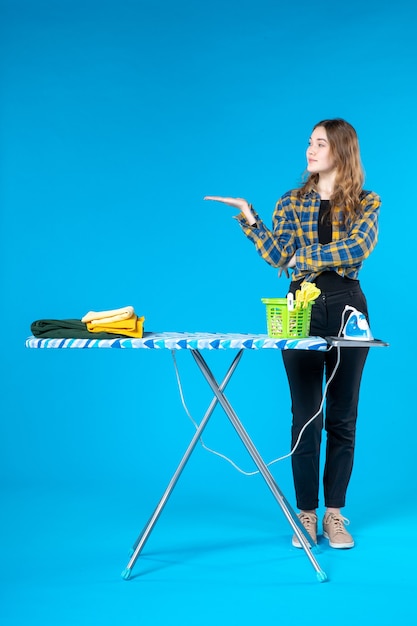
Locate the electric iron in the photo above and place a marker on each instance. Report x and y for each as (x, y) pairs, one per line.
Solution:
(356, 326)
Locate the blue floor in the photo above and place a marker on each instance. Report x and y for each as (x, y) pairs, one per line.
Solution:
(83, 473)
(206, 562)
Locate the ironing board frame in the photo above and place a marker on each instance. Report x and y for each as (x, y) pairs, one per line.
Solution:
(193, 342)
(219, 398)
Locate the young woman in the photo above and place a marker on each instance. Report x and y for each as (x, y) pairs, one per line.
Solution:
(323, 231)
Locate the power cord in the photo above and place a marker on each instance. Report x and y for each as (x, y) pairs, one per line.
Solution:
(281, 458)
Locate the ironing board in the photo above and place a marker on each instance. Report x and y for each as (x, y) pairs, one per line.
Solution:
(195, 343)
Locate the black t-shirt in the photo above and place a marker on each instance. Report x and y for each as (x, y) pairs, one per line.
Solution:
(325, 223)
(328, 280)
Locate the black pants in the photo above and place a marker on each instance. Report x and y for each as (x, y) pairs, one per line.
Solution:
(306, 371)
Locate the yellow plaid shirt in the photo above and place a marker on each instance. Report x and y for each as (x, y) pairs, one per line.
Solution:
(295, 231)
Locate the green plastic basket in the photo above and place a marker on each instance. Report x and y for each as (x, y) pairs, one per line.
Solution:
(282, 323)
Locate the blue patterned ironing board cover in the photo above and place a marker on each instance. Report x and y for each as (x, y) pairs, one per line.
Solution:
(186, 341)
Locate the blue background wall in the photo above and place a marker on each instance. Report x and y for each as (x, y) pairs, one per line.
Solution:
(116, 118)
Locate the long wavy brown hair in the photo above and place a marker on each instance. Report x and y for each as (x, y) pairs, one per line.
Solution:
(344, 147)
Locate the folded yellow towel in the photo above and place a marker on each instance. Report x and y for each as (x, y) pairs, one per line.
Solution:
(110, 320)
(132, 327)
(113, 314)
(129, 324)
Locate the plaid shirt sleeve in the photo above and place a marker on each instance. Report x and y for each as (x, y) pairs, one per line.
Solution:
(295, 231)
(349, 248)
(275, 246)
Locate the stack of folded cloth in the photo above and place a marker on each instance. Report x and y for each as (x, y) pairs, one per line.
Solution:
(98, 325)
(122, 321)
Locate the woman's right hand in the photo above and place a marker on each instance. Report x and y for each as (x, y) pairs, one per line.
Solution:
(284, 268)
(238, 203)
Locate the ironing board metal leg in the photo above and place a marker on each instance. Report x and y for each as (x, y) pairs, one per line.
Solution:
(289, 513)
(144, 535)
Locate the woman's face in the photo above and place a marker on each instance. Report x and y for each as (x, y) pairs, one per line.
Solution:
(319, 157)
